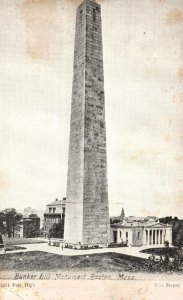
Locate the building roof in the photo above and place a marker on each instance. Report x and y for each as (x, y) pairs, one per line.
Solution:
(149, 224)
(57, 202)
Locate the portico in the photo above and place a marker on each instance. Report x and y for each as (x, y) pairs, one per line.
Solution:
(158, 234)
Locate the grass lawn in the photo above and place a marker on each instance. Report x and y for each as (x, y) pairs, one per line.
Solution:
(12, 247)
(105, 262)
(21, 241)
(162, 251)
(37, 261)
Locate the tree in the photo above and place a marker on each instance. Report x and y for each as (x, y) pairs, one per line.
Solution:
(33, 216)
(12, 220)
(31, 226)
(166, 220)
(57, 230)
(178, 237)
(177, 230)
(31, 231)
(2, 223)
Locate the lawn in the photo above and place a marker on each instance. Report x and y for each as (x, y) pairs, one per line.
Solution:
(12, 247)
(38, 261)
(21, 241)
(172, 251)
(105, 262)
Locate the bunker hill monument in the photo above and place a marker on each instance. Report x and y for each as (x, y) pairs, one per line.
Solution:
(87, 209)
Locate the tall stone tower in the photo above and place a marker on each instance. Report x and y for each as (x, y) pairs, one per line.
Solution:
(87, 210)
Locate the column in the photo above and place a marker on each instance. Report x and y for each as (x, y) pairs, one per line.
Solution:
(150, 236)
(158, 236)
(164, 235)
(155, 237)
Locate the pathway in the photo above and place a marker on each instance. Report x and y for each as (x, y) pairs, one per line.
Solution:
(133, 251)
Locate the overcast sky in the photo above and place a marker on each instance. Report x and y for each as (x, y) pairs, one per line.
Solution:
(143, 67)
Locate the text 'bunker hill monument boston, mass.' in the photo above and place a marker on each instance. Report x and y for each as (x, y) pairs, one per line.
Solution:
(87, 208)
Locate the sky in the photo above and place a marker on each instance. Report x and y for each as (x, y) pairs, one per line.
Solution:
(143, 69)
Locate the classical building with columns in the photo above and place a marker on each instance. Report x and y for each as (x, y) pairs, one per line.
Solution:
(141, 233)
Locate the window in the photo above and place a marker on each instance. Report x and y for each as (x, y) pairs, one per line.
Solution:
(80, 16)
(138, 234)
(126, 234)
(94, 15)
(54, 209)
(63, 210)
(49, 210)
(120, 234)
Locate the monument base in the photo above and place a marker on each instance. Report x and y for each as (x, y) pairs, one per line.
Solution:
(83, 246)
(2, 251)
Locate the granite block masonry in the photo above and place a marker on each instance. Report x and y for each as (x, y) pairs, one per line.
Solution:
(87, 209)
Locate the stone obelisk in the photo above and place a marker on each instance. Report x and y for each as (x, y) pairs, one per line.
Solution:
(87, 209)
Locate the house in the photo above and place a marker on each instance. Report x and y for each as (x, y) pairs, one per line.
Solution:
(55, 212)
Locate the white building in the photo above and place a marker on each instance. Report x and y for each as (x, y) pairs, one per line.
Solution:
(142, 233)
